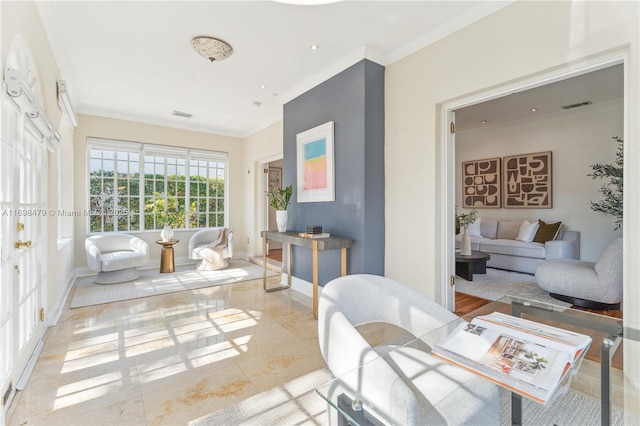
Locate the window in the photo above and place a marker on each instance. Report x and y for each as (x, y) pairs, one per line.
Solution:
(122, 198)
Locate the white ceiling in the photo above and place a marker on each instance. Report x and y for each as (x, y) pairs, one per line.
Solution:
(134, 60)
(597, 87)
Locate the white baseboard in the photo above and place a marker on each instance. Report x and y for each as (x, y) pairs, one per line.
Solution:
(58, 307)
(300, 285)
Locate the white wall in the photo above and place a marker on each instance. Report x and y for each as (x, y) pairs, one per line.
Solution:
(577, 139)
(517, 42)
(92, 126)
(262, 147)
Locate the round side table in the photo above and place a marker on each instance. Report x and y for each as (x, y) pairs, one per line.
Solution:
(166, 256)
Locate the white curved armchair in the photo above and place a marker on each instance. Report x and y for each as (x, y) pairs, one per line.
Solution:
(116, 257)
(208, 245)
(589, 285)
(418, 389)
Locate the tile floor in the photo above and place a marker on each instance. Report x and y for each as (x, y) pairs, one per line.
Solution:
(168, 359)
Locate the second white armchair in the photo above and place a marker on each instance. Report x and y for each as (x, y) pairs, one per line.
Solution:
(214, 246)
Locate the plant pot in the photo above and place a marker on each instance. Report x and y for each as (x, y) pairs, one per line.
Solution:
(465, 244)
(281, 220)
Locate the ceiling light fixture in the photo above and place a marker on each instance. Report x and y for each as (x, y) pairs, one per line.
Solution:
(314, 47)
(483, 122)
(212, 48)
(263, 86)
(534, 109)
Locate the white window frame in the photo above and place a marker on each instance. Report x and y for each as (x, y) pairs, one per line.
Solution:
(145, 149)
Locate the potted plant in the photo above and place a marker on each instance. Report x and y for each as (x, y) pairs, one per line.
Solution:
(462, 222)
(279, 199)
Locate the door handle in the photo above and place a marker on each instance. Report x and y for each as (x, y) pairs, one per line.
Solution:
(21, 244)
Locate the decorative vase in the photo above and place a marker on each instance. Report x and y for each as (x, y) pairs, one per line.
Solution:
(465, 244)
(281, 220)
(167, 233)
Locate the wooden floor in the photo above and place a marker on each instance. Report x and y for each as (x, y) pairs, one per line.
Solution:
(466, 303)
(275, 254)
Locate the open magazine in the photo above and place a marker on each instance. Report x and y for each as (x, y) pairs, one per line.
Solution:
(525, 356)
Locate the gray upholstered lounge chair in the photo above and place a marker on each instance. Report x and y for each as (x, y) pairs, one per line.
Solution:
(418, 389)
(591, 285)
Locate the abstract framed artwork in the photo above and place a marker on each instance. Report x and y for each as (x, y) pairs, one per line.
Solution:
(275, 177)
(527, 181)
(481, 183)
(315, 164)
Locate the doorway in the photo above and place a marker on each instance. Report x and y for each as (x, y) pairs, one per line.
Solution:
(273, 177)
(447, 160)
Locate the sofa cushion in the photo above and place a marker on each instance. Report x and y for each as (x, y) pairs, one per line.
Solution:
(474, 228)
(547, 231)
(489, 228)
(527, 231)
(508, 229)
(513, 248)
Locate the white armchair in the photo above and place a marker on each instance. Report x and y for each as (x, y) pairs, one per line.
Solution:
(208, 244)
(589, 285)
(116, 257)
(417, 389)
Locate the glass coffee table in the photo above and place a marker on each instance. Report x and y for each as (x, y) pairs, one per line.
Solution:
(601, 375)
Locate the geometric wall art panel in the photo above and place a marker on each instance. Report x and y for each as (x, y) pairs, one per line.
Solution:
(481, 183)
(527, 181)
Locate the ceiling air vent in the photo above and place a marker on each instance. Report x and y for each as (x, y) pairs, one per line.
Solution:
(578, 105)
(182, 114)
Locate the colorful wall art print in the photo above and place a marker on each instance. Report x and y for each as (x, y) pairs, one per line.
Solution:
(527, 181)
(315, 164)
(481, 183)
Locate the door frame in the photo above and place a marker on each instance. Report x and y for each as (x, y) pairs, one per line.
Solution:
(261, 200)
(445, 174)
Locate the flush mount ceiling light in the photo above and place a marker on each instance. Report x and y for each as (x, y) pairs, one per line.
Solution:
(212, 48)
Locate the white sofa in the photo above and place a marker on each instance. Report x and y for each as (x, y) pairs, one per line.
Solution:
(412, 388)
(498, 238)
(116, 257)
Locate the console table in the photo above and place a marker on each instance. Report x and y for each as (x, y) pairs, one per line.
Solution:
(315, 244)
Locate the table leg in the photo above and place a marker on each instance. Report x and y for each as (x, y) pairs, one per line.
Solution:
(264, 263)
(315, 279)
(343, 262)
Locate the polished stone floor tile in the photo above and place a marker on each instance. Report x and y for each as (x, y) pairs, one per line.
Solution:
(169, 359)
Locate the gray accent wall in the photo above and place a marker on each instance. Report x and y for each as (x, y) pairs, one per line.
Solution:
(354, 101)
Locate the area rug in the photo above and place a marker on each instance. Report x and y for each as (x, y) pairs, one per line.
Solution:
(152, 283)
(497, 283)
(297, 403)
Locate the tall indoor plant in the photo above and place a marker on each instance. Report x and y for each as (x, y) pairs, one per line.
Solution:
(612, 190)
(279, 199)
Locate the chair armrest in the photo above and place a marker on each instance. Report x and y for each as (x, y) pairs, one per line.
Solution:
(566, 248)
(230, 244)
(94, 261)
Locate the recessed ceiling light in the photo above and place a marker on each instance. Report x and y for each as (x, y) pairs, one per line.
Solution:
(263, 86)
(534, 109)
(483, 122)
(257, 104)
(314, 47)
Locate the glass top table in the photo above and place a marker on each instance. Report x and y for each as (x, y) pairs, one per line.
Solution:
(606, 378)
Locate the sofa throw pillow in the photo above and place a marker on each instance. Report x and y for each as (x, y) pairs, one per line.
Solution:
(474, 228)
(508, 229)
(527, 231)
(547, 231)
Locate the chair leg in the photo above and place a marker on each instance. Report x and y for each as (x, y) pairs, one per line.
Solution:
(589, 304)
